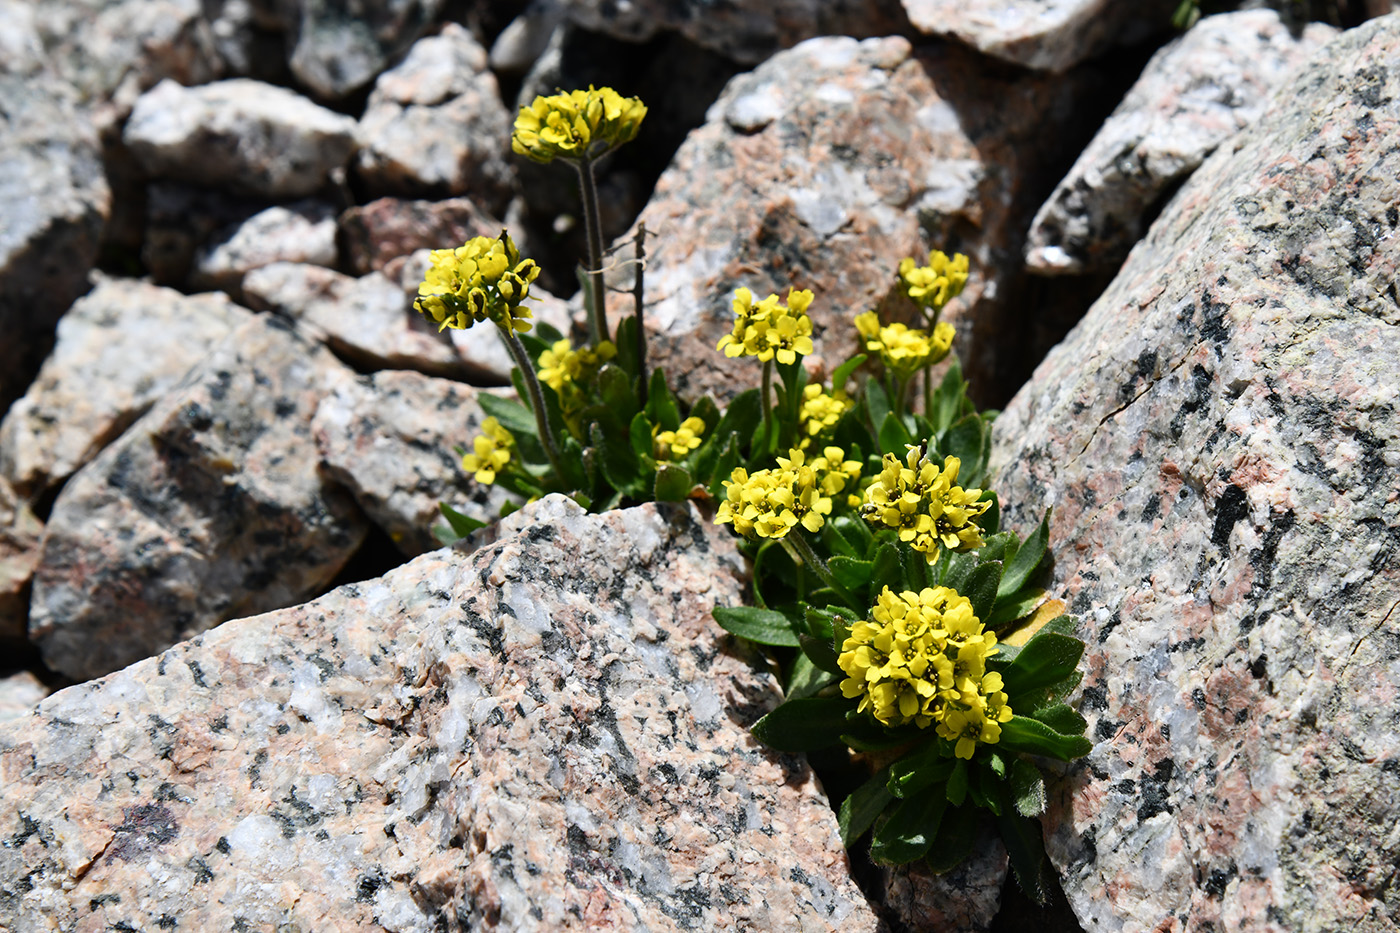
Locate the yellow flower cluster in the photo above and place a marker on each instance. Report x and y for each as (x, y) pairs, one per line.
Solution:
(484, 279)
(562, 366)
(924, 504)
(770, 503)
(905, 350)
(576, 125)
(490, 452)
(820, 411)
(673, 445)
(922, 658)
(770, 329)
(934, 285)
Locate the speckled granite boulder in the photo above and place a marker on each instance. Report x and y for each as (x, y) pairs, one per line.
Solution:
(547, 734)
(965, 899)
(20, 531)
(435, 124)
(208, 508)
(373, 235)
(19, 692)
(1221, 442)
(1052, 35)
(526, 37)
(121, 347)
(1193, 95)
(338, 47)
(53, 201)
(300, 232)
(822, 169)
(745, 30)
(249, 137)
(367, 320)
(388, 438)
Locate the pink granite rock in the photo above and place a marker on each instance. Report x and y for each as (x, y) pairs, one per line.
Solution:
(389, 439)
(20, 531)
(435, 124)
(965, 899)
(367, 320)
(547, 734)
(208, 508)
(1219, 438)
(1193, 95)
(121, 347)
(1051, 35)
(822, 169)
(303, 231)
(337, 48)
(373, 235)
(19, 693)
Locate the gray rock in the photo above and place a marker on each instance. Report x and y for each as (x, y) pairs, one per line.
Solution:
(19, 694)
(340, 46)
(208, 508)
(21, 48)
(367, 320)
(243, 135)
(54, 201)
(121, 347)
(747, 31)
(1221, 442)
(373, 235)
(302, 232)
(435, 124)
(526, 37)
(389, 439)
(1193, 95)
(181, 221)
(548, 734)
(20, 531)
(1049, 35)
(965, 899)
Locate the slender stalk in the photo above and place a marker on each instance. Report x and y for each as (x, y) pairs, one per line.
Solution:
(798, 548)
(928, 392)
(901, 395)
(637, 289)
(767, 409)
(532, 387)
(597, 322)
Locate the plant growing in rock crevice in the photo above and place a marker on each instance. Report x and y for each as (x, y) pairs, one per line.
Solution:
(907, 625)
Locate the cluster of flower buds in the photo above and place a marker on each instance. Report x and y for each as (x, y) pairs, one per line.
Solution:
(932, 286)
(770, 329)
(924, 504)
(577, 125)
(483, 280)
(770, 503)
(902, 349)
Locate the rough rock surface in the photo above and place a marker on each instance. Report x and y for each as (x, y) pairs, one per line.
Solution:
(1051, 35)
(368, 320)
(526, 37)
(1193, 95)
(965, 899)
(389, 439)
(208, 508)
(436, 124)
(745, 30)
(53, 201)
(240, 134)
(339, 46)
(18, 693)
(121, 347)
(180, 222)
(547, 734)
(822, 169)
(20, 530)
(300, 232)
(373, 235)
(1220, 438)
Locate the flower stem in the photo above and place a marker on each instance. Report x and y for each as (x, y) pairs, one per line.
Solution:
(532, 386)
(637, 289)
(798, 548)
(767, 409)
(901, 395)
(597, 321)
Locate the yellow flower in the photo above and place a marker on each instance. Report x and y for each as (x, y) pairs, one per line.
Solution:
(770, 329)
(902, 349)
(576, 125)
(934, 285)
(562, 366)
(484, 279)
(820, 411)
(673, 445)
(922, 502)
(921, 658)
(770, 503)
(490, 452)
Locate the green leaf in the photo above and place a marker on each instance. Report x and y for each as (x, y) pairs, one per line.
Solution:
(639, 435)
(1027, 788)
(805, 678)
(1023, 566)
(991, 519)
(512, 415)
(918, 770)
(860, 809)
(835, 542)
(1021, 836)
(764, 626)
(917, 573)
(910, 829)
(803, 725)
(981, 588)
(887, 571)
(707, 411)
(1061, 717)
(462, 525)
(615, 387)
(723, 468)
(1015, 606)
(1023, 734)
(877, 405)
(618, 463)
(947, 400)
(965, 440)
(1047, 658)
(851, 573)
(820, 653)
(821, 623)
(626, 342)
(894, 436)
(854, 530)
(957, 783)
(661, 404)
(445, 535)
(673, 483)
(740, 418)
(843, 372)
(957, 569)
(956, 836)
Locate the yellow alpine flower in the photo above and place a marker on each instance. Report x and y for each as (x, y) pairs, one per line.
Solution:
(770, 329)
(490, 452)
(483, 279)
(576, 125)
(770, 503)
(902, 349)
(673, 445)
(923, 503)
(934, 285)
